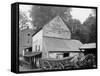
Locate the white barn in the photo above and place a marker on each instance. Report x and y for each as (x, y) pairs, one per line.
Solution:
(54, 40)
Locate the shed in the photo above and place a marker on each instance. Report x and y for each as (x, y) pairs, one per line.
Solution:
(89, 48)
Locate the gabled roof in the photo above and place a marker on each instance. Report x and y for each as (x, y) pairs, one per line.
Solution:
(37, 31)
(57, 28)
(56, 44)
(56, 20)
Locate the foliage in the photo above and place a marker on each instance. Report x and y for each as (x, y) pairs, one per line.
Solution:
(22, 19)
(43, 14)
(85, 32)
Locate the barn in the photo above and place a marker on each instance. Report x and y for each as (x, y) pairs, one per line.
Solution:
(54, 40)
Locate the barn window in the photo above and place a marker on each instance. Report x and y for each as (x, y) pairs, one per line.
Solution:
(65, 54)
(35, 47)
(39, 48)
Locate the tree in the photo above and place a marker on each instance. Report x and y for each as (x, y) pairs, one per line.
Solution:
(22, 20)
(43, 14)
(85, 32)
(90, 24)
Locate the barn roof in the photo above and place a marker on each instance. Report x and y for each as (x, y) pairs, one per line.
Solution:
(57, 44)
(89, 45)
(57, 28)
(29, 54)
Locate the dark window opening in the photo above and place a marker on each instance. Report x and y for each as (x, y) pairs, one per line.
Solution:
(36, 48)
(65, 54)
(30, 49)
(39, 48)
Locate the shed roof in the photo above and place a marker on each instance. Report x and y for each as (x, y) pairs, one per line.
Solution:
(57, 44)
(30, 54)
(89, 45)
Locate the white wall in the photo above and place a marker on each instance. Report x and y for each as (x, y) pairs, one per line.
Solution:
(37, 40)
(73, 54)
(56, 55)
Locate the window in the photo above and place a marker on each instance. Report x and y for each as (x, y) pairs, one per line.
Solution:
(65, 54)
(35, 47)
(39, 48)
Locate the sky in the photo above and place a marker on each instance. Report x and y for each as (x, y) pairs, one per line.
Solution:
(81, 13)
